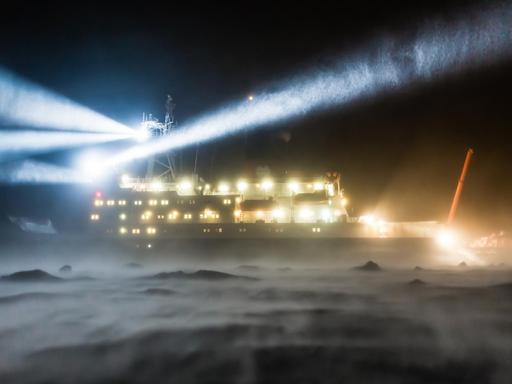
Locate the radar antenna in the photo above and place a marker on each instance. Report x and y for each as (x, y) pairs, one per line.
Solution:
(163, 165)
(170, 106)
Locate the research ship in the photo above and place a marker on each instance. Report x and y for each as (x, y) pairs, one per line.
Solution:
(191, 208)
(252, 218)
(173, 214)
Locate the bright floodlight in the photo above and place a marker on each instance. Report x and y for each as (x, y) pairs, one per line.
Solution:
(278, 213)
(267, 184)
(368, 219)
(91, 164)
(326, 214)
(447, 238)
(142, 135)
(293, 186)
(223, 187)
(185, 186)
(305, 213)
(480, 37)
(242, 185)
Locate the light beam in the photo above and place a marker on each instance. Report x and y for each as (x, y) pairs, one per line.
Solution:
(27, 104)
(35, 172)
(481, 37)
(22, 143)
(91, 165)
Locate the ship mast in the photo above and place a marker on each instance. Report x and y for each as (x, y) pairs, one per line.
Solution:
(170, 125)
(164, 164)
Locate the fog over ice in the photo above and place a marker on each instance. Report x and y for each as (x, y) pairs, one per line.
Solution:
(256, 324)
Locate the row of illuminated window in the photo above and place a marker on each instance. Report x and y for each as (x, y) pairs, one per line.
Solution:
(240, 186)
(304, 213)
(208, 214)
(148, 215)
(136, 231)
(152, 230)
(100, 203)
(267, 185)
(151, 202)
(174, 216)
(208, 230)
(155, 202)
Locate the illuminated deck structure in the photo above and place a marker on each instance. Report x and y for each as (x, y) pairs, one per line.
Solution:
(266, 208)
(166, 204)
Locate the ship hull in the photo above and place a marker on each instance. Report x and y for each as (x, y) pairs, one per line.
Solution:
(292, 251)
(204, 251)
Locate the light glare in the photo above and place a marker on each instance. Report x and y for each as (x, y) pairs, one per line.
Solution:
(91, 164)
(242, 186)
(15, 143)
(447, 239)
(435, 52)
(34, 172)
(27, 104)
(293, 186)
(185, 186)
(267, 184)
(223, 187)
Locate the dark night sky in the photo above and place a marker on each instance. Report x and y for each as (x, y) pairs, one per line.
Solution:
(400, 153)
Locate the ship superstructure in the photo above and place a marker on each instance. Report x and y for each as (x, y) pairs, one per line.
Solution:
(192, 208)
(148, 206)
(165, 204)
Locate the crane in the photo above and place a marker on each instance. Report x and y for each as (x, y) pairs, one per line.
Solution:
(460, 185)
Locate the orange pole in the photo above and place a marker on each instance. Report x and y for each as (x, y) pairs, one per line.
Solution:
(460, 184)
